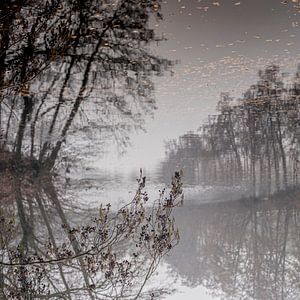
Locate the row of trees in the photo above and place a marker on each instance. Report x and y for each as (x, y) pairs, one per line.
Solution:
(252, 142)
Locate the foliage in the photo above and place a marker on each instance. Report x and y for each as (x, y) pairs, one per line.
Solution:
(111, 257)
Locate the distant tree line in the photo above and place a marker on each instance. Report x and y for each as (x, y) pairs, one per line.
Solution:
(253, 141)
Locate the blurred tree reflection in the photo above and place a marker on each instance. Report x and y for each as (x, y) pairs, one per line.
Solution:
(241, 250)
(74, 65)
(71, 69)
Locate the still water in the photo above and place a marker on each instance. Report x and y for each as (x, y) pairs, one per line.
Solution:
(231, 247)
(149, 157)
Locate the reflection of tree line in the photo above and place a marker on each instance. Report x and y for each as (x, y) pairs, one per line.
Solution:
(44, 254)
(253, 141)
(241, 250)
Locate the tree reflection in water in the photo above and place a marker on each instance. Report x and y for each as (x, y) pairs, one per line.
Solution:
(241, 249)
(246, 249)
(71, 69)
(74, 66)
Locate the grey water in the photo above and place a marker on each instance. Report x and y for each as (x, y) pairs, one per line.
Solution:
(97, 111)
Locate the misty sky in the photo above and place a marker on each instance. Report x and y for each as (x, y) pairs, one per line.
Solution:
(221, 45)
